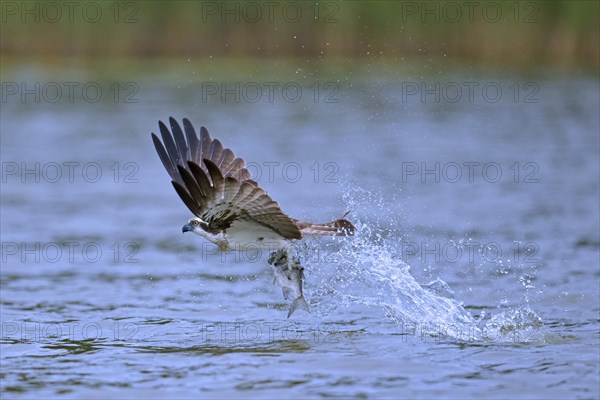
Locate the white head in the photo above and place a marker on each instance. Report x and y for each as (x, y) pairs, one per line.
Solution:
(201, 228)
(197, 226)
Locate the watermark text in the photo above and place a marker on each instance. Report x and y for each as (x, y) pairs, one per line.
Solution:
(451, 252)
(469, 172)
(69, 92)
(269, 92)
(470, 92)
(69, 252)
(68, 172)
(53, 12)
(40, 332)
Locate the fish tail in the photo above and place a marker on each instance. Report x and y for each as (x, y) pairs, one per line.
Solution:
(299, 302)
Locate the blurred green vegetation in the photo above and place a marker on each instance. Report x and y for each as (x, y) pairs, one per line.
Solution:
(559, 32)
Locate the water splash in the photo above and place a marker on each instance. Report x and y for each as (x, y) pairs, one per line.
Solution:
(368, 274)
(366, 270)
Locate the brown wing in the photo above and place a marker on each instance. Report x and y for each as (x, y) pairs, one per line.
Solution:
(218, 191)
(179, 148)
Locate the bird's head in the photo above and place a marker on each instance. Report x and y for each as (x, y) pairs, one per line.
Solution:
(195, 225)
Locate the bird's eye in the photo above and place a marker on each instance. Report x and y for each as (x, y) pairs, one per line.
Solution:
(195, 223)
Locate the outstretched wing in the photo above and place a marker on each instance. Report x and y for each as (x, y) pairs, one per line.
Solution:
(214, 184)
(178, 149)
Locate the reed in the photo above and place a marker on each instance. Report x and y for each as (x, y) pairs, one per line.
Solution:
(559, 32)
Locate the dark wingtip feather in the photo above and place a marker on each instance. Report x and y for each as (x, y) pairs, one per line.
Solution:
(164, 157)
(187, 199)
(211, 165)
(193, 187)
(162, 127)
(182, 147)
(200, 177)
(215, 174)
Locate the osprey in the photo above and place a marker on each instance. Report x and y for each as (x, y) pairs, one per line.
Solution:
(230, 209)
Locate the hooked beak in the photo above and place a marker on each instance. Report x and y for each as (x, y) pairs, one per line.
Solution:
(186, 228)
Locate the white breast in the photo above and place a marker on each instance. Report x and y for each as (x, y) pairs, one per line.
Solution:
(245, 235)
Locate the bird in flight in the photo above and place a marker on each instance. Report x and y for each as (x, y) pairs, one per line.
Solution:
(231, 210)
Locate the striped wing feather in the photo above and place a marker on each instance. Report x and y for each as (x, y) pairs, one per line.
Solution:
(214, 184)
(180, 147)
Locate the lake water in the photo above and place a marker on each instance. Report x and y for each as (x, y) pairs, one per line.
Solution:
(474, 273)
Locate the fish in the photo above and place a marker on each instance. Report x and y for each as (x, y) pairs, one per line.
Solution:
(290, 275)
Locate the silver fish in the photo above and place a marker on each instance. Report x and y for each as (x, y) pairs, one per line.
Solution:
(290, 276)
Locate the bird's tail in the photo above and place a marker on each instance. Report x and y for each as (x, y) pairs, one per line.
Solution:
(338, 227)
